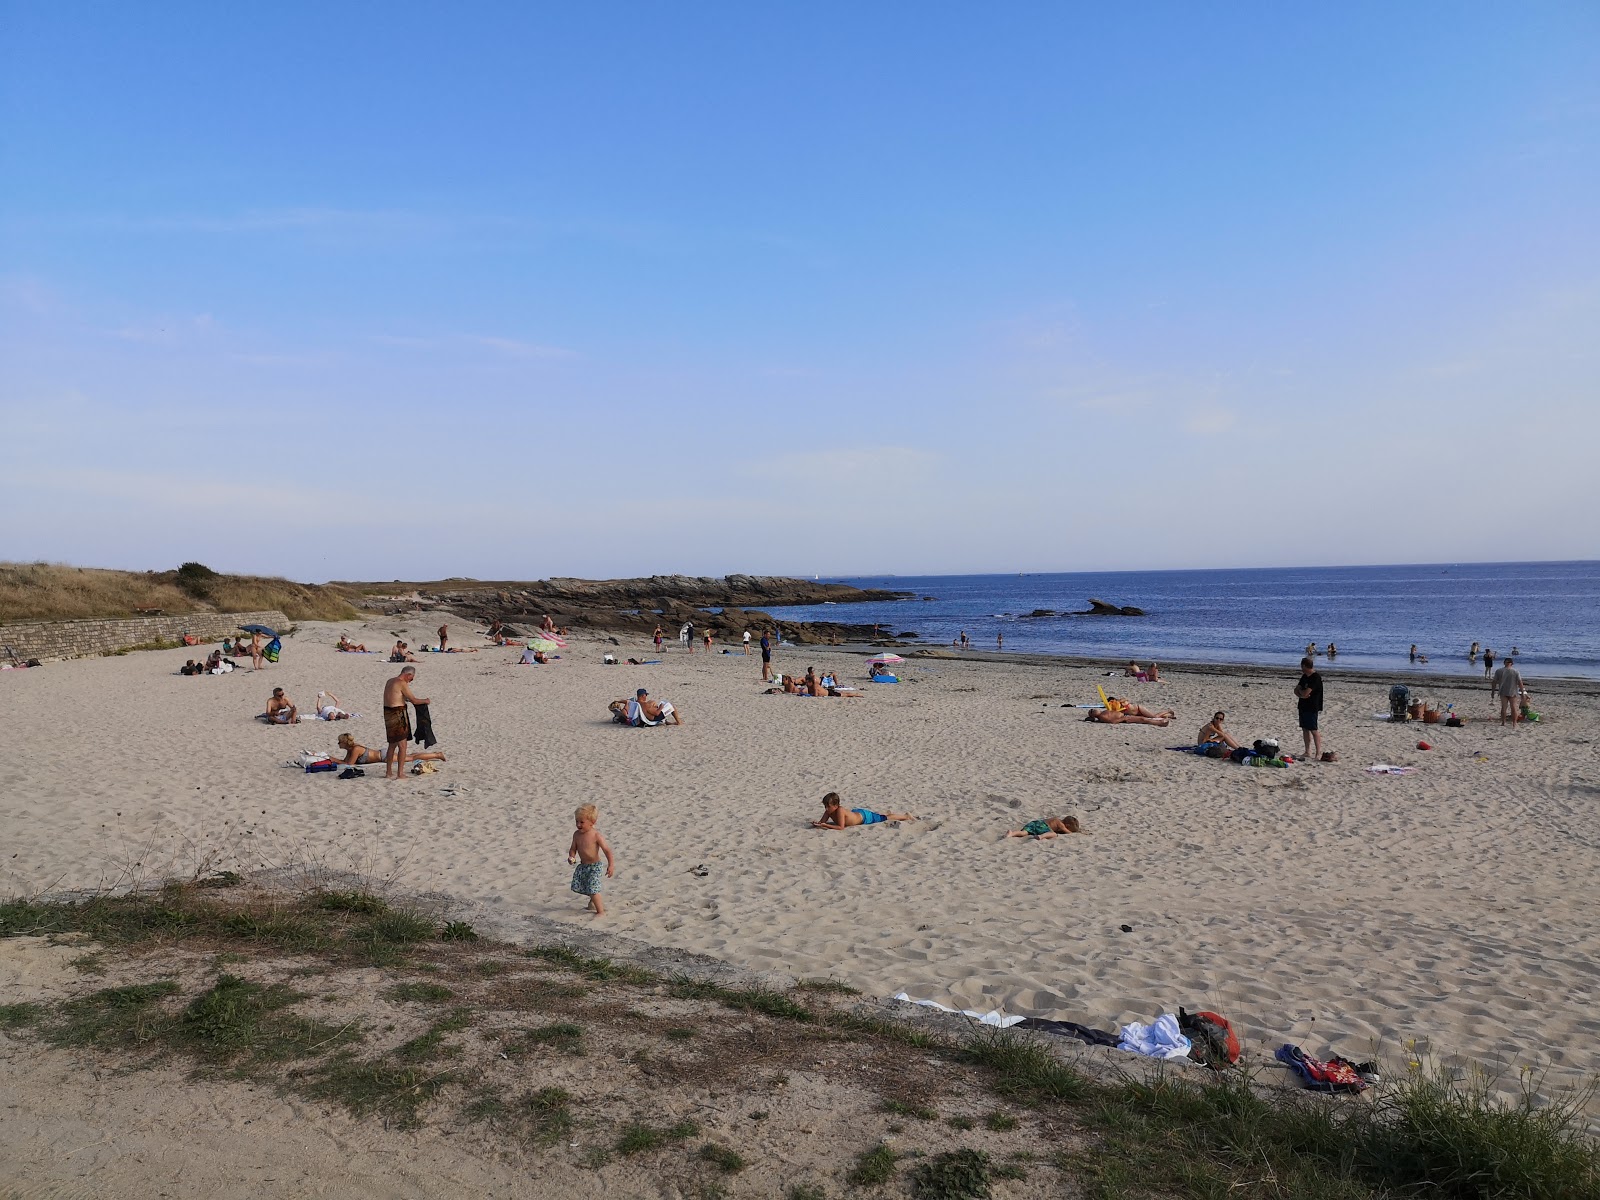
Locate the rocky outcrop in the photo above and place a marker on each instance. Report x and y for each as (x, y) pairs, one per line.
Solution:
(724, 606)
(1099, 608)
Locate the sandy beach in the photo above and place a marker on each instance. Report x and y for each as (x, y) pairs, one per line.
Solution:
(1448, 912)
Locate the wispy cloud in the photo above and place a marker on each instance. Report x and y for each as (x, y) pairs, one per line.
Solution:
(1211, 420)
(517, 348)
(895, 463)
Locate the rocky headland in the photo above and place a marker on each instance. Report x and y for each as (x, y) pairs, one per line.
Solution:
(726, 606)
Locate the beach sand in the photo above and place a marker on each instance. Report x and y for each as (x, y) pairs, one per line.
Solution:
(1450, 912)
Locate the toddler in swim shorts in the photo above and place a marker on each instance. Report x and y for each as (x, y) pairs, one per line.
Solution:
(588, 846)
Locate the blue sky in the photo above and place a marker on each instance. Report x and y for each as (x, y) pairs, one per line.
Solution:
(376, 290)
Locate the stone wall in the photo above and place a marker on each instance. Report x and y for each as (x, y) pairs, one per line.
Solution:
(47, 640)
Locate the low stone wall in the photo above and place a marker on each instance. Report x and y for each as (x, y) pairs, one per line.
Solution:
(49, 640)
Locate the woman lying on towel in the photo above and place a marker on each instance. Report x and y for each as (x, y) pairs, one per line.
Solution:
(1122, 712)
(357, 755)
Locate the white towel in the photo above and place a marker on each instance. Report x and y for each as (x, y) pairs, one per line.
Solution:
(998, 1018)
(1160, 1039)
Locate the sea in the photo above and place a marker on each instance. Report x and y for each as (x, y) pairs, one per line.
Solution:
(1547, 613)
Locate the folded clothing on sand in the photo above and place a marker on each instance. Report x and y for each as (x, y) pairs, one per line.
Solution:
(1160, 1039)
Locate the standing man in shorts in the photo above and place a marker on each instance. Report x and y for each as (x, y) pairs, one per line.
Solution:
(1308, 698)
(397, 722)
(1507, 684)
(766, 657)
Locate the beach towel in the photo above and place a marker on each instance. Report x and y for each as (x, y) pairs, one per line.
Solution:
(997, 1018)
(636, 715)
(1334, 1076)
(1386, 769)
(1160, 1039)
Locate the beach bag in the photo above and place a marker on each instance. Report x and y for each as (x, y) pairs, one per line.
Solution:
(326, 764)
(1399, 702)
(274, 648)
(1267, 747)
(1211, 1039)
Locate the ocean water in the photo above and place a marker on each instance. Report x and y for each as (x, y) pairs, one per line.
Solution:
(1549, 612)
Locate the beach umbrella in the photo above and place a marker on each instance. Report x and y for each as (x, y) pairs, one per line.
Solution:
(544, 635)
(261, 629)
(887, 660)
(545, 644)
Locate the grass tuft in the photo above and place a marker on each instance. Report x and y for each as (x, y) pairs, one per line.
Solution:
(835, 986)
(872, 1167)
(351, 902)
(638, 1139)
(366, 1087)
(729, 1162)
(20, 1016)
(956, 1175)
(598, 969)
(458, 931)
(1026, 1069)
(902, 1108)
(427, 993)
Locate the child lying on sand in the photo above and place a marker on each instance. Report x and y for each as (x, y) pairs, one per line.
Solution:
(1047, 828)
(836, 817)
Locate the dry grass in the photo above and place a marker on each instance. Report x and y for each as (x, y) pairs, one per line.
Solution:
(56, 592)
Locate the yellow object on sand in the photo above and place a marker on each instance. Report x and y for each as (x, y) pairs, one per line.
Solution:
(1106, 700)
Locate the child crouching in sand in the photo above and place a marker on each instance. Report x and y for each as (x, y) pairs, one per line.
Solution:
(836, 817)
(1048, 827)
(588, 844)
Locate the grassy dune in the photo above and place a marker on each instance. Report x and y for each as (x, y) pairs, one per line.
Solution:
(55, 592)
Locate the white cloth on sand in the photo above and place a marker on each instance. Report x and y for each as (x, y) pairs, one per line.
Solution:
(997, 1018)
(1160, 1039)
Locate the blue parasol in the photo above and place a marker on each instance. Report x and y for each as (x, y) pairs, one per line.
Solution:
(261, 629)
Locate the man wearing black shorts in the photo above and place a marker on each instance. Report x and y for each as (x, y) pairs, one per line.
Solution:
(1308, 698)
(766, 658)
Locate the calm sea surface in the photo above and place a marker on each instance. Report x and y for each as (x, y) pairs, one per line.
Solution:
(1550, 612)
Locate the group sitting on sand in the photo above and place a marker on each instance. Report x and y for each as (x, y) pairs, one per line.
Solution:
(400, 654)
(1135, 671)
(836, 816)
(1125, 712)
(812, 684)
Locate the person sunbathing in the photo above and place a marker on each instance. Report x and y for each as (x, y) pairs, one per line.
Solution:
(1153, 675)
(836, 816)
(280, 711)
(357, 755)
(1121, 712)
(791, 685)
(1047, 828)
(328, 707)
(811, 684)
(1213, 734)
(1134, 671)
(349, 647)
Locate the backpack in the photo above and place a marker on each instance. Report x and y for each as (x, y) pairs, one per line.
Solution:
(1212, 1040)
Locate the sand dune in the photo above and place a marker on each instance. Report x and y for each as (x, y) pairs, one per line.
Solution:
(1450, 911)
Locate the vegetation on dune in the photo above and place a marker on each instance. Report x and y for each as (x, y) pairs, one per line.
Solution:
(485, 1047)
(57, 592)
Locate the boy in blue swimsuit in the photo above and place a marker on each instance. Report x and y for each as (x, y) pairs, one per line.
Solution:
(835, 816)
(588, 844)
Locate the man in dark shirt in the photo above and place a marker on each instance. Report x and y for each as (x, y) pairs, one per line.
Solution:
(766, 658)
(1308, 697)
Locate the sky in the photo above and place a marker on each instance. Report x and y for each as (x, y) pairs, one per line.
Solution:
(367, 290)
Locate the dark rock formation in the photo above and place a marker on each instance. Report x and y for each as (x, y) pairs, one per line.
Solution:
(639, 605)
(1099, 608)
